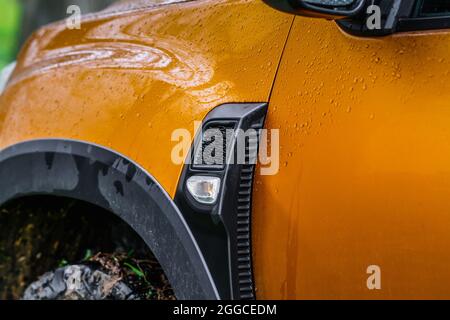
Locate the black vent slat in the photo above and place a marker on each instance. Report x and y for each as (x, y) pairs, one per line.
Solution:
(243, 244)
(243, 218)
(244, 266)
(246, 288)
(245, 281)
(244, 200)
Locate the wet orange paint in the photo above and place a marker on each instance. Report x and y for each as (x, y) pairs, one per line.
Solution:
(365, 168)
(127, 79)
(364, 175)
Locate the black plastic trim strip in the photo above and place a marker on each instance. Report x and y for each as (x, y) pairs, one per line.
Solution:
(397, 16)
(423, 24)
(223, 230)
(316, 10)
(107, 179)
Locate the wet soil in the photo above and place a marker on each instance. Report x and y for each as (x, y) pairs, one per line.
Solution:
(44, 234)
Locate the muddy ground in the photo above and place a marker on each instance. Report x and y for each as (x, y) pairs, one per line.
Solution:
(42, 234)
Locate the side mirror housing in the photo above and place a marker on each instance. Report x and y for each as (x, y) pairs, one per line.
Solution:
(329, 9)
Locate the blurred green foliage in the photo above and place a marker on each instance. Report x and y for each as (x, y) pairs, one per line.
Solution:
(10, 14)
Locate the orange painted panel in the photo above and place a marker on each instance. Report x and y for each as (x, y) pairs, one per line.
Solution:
(127, 79)
(365, 168)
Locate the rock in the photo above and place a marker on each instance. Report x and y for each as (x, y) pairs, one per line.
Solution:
(78, 282)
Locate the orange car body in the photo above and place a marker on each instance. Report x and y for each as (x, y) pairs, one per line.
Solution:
(365, 142)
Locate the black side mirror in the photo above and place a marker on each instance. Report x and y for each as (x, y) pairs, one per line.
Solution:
(329, 9)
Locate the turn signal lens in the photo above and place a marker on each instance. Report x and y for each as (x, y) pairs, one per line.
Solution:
(204, 189)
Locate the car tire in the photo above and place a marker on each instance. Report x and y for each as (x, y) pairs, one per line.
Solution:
(78, 282)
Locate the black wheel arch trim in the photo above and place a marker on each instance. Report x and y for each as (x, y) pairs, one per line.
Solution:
(100, 176)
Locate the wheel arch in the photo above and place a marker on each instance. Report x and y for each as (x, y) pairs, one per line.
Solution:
(102, 177)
